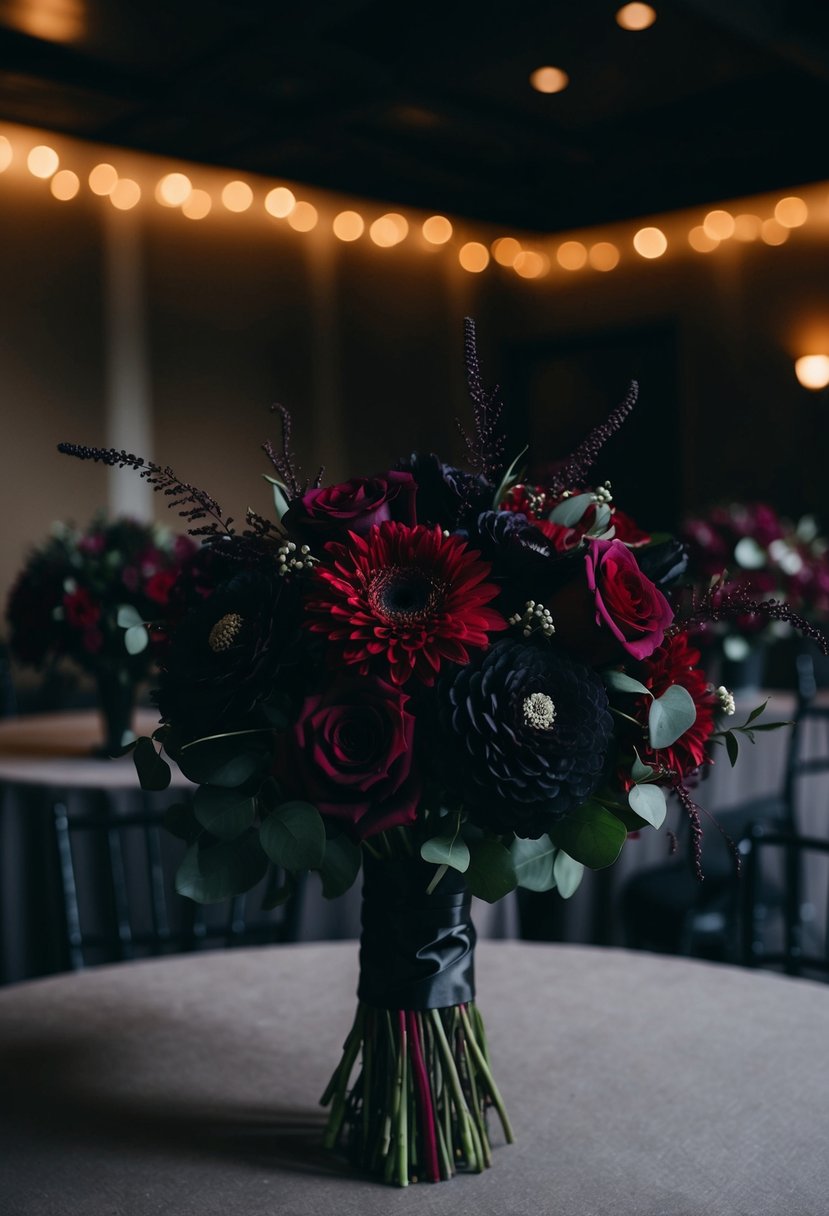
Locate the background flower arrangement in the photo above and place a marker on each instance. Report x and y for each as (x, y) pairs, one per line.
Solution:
(85, 595)
(459, 680)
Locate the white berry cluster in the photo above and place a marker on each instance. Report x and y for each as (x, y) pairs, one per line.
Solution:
(291, 558)
(534, 617)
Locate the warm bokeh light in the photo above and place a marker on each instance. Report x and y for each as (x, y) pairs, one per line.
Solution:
(650, 242)
(348, 225)
(237, 196)
(65, 185)
(635, 17)
(719, 224)
(50, 20)
(43, 161)
(549, 80)
(388, 230)
(603, 256)
(699, 240)
(173, 189)
(530, 264)
(303, 217)
(197, 205)
(473, 256)
(812, 370)
(437, 230)
(773, 232)
(747, 227)
(791, 212)
(280, 202)
(571, 255)
(125, 194)
(102, 179)
(5, 153)
(505, 250)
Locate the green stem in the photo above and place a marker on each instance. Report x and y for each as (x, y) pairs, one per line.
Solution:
(480, 1060)
(340, 1080)
(464, 1121)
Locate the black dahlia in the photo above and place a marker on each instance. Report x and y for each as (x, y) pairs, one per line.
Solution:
(525, 564)
(227, 655)
(533, 730)
(446, 496)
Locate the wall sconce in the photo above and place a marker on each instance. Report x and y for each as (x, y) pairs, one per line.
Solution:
(812, 371)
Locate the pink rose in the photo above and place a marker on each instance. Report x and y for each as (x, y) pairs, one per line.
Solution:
(329, 512)
(352, 753)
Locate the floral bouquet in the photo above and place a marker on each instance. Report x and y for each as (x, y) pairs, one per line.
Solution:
(455, 680)
(750, 549)
(85, 594)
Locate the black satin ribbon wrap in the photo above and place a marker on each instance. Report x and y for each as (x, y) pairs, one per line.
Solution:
(417, 951)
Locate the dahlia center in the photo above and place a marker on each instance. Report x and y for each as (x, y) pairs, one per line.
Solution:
(405, 595)
(539, 711)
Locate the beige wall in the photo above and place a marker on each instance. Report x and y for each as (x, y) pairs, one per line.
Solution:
(365, 347)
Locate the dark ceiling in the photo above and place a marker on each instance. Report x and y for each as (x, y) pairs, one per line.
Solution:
(430, 105)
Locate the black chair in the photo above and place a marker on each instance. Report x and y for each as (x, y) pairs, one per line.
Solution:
(789, 937)
(117, 886)
(667, 909)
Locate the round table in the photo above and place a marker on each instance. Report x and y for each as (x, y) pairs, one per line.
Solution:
(638, 1085)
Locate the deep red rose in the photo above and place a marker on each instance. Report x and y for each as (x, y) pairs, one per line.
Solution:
(160, 585)
(563, 539)
(353, 755)
(80, 609)
(676, 662)
(628, 530)
(611, 608)
(330, 512)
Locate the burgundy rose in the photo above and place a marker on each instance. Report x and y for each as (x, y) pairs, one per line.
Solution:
(352, 749)
(613, 607)
(81, 610)
(329, 512)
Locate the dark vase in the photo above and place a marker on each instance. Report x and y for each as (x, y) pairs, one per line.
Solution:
(116, 703)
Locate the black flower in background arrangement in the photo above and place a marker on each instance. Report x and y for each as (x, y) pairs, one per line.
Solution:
(228, 654)
(532, 728)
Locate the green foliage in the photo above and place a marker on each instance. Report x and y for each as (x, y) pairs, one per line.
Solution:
(567, 873)
(225, 813)
(491, 874)
(533, 862)
(648, 801)
(570, 510)
(293, 836)
(447, 851)
(215, 870)
(180, 820)
(590, 835)
(152, 769)
(340, 865)
(670, 716)
(228, 760)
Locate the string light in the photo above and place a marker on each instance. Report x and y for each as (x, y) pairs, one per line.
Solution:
(437, 230)
(173, 190)
(747, 227)
(719, 225)
(700, 240)
(791, 212)
(650, 242)
(280, 202)
(505, 250)
(348, 226)
(197, 205)
(603, 256)
(473, 256)
(42, 161)
(389, 230)
(103, 179)
(6, 154)
(772, 232)
(303, 217)
(125, 194)
(571, 255)
(530, 264)
(237, 196)
(65, 185)
(635, 17)
(549, 80)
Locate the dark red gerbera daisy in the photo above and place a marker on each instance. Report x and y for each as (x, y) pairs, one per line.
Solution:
(406, 597)
(676, 662)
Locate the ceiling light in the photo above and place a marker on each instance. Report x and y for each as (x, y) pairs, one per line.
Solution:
(549, 80)
(635, 17)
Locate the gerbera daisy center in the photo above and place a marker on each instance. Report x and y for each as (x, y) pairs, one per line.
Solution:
(405, 594)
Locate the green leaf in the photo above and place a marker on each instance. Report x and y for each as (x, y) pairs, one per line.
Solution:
(648, 801)
(568, 874)
(446, 851)
(225, 813)
(180, 821)
(511, 476)
(590, 835)
(639, 770)
(570, 510)
(491, 874)
(214, 870)
(128, 616)
(670, 716)
(293, 836)
(153, 771)
(619, 682)
(533, 863)
(340, 865)
(136, 639)
(224, 760)
(280, 501)
(732, 746)
(755, 713)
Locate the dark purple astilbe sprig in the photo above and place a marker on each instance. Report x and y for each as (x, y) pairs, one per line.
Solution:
(284, 461)
(717, 603)
(485, 446)
(192, 503)
(572, 473)
(695, 813)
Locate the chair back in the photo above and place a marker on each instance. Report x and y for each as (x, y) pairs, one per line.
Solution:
(789, 935)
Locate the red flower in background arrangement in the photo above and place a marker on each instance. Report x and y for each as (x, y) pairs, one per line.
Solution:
(404, 599)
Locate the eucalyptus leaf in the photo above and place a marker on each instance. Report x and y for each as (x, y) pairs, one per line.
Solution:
(225, 813)
(180, 821)
(340, 865)
(225, 760)
(280, 501)
(293, 836)
(591, 835)
(639, 770)
(670, 716)
(136, 639)
(620, 682)
(533, 863)
(127, 616)
(491, 874)
(648, 801)
(570, 510)
(153, 771)
(215, 870)
(568, 874)
(446, 851)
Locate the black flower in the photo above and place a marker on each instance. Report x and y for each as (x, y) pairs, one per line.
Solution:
(532, 729)
(446, 496)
